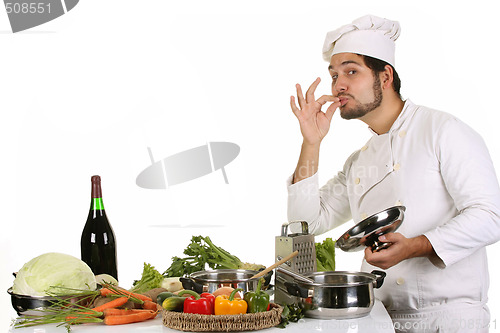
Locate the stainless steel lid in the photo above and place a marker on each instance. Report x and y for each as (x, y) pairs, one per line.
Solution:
(366, 232)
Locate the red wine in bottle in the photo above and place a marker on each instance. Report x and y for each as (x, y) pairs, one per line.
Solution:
(98, 244)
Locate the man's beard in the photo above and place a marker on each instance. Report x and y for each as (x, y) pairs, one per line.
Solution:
(362, 109)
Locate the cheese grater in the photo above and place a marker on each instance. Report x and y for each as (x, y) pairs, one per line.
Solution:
(304, 263)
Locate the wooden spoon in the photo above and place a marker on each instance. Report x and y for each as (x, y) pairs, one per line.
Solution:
(273, 266)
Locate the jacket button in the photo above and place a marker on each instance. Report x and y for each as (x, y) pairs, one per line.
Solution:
(364, 216)
(357, 181)
(398, 203)
(402, 134)
(396, 167)
(400, 281)
(364, 148)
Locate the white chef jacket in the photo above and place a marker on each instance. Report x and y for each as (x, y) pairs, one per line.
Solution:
(440, 169)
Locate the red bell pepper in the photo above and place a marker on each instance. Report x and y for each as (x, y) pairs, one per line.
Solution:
(196, 303)
(211, 299)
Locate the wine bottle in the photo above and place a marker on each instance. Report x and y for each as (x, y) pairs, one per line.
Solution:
(98, 244)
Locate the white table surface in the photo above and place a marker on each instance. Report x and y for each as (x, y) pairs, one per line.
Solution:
(378, 321)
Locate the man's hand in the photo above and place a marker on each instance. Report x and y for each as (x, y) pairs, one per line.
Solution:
(402, 248)
(314, 123)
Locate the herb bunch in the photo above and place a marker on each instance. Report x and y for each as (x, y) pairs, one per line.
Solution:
(202, 252)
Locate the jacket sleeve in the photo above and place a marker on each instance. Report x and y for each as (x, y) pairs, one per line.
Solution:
(322, 208)
(469, 176)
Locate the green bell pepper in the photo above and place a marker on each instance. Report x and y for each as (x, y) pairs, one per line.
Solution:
(258, 300)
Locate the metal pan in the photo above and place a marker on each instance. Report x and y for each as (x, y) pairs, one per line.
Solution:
(211, 280)
(337, 294)
(39, 305)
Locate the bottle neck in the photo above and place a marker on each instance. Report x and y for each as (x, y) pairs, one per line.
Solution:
(97, 204)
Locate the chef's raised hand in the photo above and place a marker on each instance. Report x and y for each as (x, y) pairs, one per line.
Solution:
(401, 248)
(314, 123)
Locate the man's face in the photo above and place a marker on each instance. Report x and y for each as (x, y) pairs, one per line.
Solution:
(355, 84)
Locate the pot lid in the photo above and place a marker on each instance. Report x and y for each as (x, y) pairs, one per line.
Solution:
(366, 232)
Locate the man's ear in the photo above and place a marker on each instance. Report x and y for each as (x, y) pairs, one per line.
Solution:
(387, 77)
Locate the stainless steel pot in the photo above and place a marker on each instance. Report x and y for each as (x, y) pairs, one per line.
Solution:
(24, 304)
(210, 281)
(337, 294)
(38, 305)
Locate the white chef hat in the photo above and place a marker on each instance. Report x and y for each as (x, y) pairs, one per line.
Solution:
(368, 35)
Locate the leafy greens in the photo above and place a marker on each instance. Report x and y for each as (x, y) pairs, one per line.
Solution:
(291, 313)
(325, 255)
(150, 279)
(201, 252)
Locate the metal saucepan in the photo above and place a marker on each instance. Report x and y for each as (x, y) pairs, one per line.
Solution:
(38, 305)
(337, 294)
(211, 280)
(367, 232)
(24, 304)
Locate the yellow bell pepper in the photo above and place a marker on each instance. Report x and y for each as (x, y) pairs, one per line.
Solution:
(228, 305)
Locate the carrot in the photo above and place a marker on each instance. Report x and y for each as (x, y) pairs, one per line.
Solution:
(121, 312)
(113, 304)
(130, 318)
(148, 305)
(105, 292)
(120, 291)
(139, 296)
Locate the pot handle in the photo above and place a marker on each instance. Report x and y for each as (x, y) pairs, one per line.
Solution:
(380, 279)
(267, 277)
(295, 290)
(189, 284)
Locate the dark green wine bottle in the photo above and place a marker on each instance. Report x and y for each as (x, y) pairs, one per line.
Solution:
(98, 244)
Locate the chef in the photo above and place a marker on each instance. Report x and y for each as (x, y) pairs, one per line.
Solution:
(426, 160)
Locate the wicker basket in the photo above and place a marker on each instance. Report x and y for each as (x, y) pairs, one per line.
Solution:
(225, 323)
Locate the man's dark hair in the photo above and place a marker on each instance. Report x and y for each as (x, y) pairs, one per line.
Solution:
(378, 66)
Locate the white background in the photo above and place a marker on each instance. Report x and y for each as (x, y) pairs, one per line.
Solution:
(88, 92)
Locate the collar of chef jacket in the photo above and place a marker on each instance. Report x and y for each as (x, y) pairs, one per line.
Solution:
(375, 161)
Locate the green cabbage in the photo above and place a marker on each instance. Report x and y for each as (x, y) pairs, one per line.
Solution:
(49, 271)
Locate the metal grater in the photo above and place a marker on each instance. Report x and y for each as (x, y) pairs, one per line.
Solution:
(303, 263)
